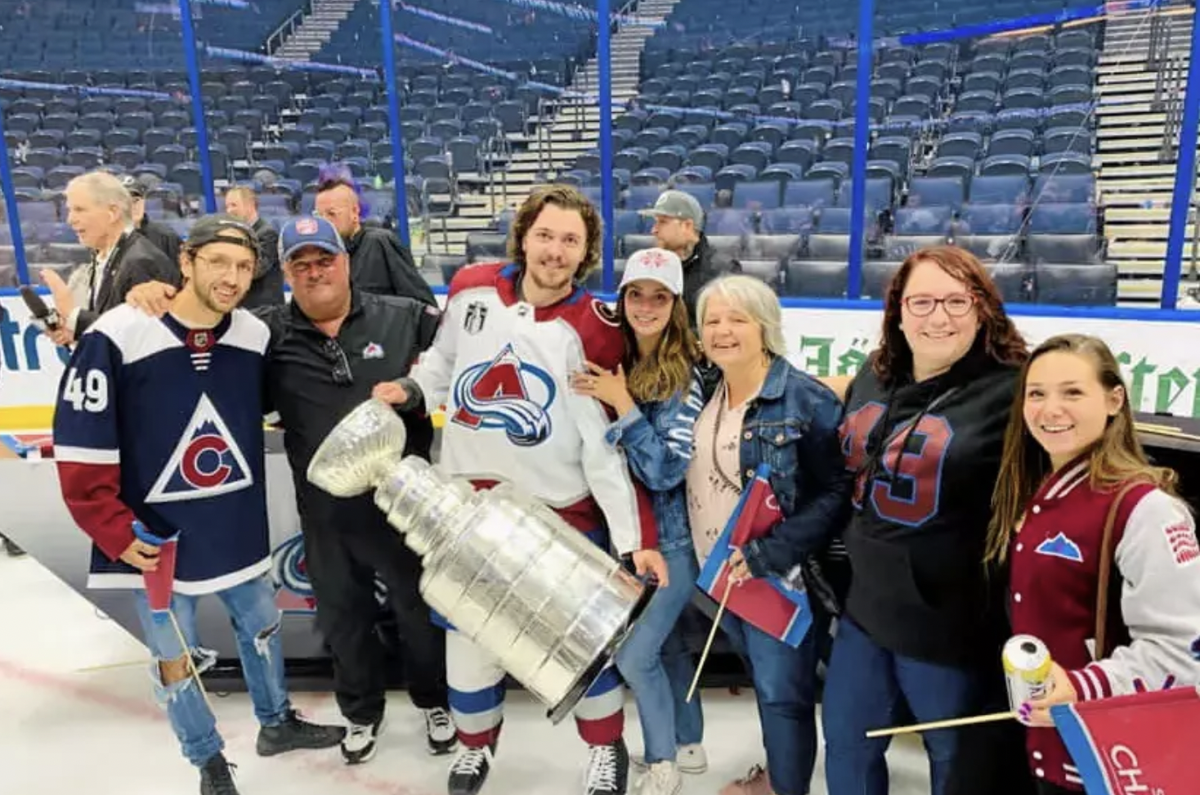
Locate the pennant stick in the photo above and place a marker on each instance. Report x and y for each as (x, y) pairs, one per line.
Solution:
(191, 662)
(112, 666)
(943, 724)
(712, 634)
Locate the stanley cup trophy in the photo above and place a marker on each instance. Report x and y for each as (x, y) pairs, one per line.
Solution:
(505, 570)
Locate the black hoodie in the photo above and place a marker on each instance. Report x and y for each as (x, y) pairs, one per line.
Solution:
(916, 538)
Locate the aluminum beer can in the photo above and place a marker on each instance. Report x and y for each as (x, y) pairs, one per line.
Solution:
(1027, 668)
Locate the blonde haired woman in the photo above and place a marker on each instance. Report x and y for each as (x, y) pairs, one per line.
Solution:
(766, 411)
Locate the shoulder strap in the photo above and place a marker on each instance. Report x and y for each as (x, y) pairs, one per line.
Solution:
(1106, 565)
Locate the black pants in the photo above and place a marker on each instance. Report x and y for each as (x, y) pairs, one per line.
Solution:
(342, 564)
(1046, 788)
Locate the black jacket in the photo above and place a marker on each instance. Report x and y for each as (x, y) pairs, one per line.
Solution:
(916, 538)
(135, 260)
(698, 270)
(267, 287)
(308, 386)
(163, 237)
(381, 264)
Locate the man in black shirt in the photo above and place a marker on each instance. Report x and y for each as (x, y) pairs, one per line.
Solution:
(330, 346)
(679, 227)
(379, 262)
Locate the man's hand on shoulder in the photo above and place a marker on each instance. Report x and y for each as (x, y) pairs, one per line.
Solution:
(153, 298)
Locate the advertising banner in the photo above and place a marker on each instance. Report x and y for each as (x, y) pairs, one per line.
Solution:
(1158, 358)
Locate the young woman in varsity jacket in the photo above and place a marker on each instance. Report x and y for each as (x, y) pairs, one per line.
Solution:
(922, 626)
(766, 411)
(657, 396)
(1072, 461)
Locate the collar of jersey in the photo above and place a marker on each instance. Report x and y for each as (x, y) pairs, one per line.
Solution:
(509, 292)
(181, 331)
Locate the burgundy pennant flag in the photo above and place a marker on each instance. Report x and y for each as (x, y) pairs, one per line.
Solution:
(768, 603)
(1140, 744)
(160, 583)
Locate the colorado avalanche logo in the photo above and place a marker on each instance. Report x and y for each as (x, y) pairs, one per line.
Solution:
(295, 593)
(207, 461)
(500, 394)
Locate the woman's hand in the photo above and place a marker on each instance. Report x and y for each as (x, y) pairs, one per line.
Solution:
(609, 388)
(739, 569)
(1037, 711)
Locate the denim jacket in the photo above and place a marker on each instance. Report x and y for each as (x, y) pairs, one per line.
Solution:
(792, 425)
(657, 438)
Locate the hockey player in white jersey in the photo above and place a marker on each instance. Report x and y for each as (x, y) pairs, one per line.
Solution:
(510, 338)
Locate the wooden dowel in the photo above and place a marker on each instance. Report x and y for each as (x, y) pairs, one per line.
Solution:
(712, 634)
(191, 662)
(942, 724)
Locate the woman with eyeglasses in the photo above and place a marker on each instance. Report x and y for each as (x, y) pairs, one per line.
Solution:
(922, 626)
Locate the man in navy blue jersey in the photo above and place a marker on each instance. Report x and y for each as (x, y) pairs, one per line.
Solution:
(158, 434)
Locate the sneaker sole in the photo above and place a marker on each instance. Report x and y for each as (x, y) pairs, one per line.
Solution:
(693, 770)
(368, 755)
(440, 750)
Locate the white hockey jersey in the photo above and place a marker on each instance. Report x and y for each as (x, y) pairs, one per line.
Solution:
(502, 368)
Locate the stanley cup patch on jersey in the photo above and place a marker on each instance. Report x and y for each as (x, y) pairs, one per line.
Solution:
(207, 461)
(507, 394)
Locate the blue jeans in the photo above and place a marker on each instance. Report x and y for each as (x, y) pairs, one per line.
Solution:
(785, 686)
(656, 663)
(255, 618)
(862, 690)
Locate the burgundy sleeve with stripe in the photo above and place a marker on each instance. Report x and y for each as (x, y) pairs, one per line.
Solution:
(87, 444)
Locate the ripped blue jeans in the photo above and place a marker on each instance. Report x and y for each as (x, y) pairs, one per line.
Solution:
(255, 616)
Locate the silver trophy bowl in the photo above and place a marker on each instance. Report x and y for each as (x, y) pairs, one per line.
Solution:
(503, 568)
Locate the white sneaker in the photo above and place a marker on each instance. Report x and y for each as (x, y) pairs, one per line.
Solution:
(661, 779)
(690, 759)
(358, 745)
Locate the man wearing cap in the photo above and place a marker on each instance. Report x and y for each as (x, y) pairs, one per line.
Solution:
(160, 235)
(159, 450)
(679, 227)
(329, 347)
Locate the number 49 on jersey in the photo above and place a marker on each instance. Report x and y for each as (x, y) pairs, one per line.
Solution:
(87, 392)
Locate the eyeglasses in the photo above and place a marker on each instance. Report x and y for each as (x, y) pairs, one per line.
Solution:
(341, 365)
(956, 304)
(222, 265)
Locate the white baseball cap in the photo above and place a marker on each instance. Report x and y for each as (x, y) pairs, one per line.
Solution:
(656, 264)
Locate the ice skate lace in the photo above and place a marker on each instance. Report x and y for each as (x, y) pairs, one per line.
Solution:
(470, 762)
(602, 768)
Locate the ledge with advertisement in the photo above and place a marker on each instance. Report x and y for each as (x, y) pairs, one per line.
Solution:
(1157, 351)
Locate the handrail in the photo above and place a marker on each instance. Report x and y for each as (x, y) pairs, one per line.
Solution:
(281, 33)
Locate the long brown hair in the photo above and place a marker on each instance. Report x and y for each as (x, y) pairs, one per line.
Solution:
(565, 197)
(1115, 459)
(1000, 338)
(668, 369)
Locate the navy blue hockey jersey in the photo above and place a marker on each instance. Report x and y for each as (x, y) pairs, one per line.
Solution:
(164, 424)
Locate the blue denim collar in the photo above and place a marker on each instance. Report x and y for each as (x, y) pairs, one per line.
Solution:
(776, 381)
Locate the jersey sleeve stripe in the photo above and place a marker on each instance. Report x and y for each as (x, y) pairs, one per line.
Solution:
(86, 455)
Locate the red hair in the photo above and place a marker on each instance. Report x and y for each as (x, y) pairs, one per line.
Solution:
(999, 337)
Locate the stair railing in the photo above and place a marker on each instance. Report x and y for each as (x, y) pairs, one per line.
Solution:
(289, 26)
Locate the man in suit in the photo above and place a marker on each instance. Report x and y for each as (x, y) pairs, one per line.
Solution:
(160, 235)
(100, 210)
(267, 288)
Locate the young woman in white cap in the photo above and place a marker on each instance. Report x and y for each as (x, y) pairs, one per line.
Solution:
(656, 394)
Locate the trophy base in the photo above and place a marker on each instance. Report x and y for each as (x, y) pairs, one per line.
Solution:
(586, 679)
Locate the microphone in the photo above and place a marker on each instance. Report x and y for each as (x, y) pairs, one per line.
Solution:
(37, 308)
